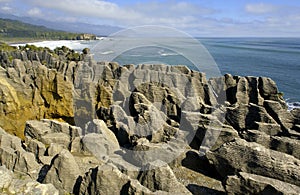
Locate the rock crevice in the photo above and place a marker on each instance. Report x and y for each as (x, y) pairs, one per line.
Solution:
(73, 125)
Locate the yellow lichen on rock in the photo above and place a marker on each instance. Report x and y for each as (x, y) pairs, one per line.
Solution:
(8, 97)
(45, 94)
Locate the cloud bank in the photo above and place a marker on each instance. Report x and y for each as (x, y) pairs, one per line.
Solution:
(194, 17)
(261, 8)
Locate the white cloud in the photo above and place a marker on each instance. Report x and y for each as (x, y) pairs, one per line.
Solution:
(171, 9)
(261, 19)
(162, 13)
(5, 1)
(94, 8)
(260, 8)
(35, 12)
(6, 8)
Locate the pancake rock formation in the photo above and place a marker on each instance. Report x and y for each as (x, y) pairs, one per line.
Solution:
(70, 125)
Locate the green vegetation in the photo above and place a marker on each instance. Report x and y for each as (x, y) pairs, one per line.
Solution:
(13, 30)
(6, 47)
(280, 95)
(61, 53)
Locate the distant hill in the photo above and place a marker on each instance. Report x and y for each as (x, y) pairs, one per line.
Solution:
(13, 29)
(74, 27)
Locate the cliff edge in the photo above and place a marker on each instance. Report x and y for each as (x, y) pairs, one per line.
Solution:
(73, 125)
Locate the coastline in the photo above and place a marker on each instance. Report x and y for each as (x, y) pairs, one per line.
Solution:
(77, 45)
(253, 61)
(15, 41)
(74, 125)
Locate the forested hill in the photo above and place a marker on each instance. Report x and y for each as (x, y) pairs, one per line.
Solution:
(13, 29)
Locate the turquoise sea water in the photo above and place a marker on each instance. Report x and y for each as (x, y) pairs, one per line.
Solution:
(277, 58)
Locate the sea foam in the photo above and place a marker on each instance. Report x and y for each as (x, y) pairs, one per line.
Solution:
(293, 105)
(77, 45)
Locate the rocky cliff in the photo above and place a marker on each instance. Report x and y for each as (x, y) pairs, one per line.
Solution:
(73, 125)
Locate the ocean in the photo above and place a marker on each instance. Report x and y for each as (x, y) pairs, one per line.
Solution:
(277, 58)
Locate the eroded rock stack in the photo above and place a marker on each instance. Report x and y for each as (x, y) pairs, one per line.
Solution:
(147, 129)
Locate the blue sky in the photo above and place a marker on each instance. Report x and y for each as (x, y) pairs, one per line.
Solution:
(199, 18)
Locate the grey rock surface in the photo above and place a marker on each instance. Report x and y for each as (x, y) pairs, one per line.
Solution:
(249, 157)
(246, 183)
(11, 183)
(107, 179)
(146, 129)
(63, 172)
(159, 176)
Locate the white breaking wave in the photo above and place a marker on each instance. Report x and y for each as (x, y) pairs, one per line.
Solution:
(169, 54)
(107, 52)
(293, 105)
(72, 44)
(163, 53)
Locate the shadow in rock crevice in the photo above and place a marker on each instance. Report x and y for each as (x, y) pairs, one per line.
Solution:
(200, 190)
(200, 164)
(43, 172)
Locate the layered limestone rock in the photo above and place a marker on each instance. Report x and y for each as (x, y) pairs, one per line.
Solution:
(63, 172)
(15, 158)
(107, 179)
(146, 129)
(245, 183)
(20, 184)
(37, 83)
(242, 156)
(151, 178)
(32, 91)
